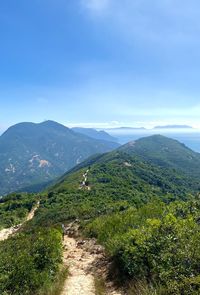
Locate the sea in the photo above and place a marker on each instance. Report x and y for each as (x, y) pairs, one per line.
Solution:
(190, 137)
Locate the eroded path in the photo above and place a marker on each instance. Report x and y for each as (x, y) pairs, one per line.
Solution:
(5, 233)
(80, 280)
(84, 183)
(86, 260)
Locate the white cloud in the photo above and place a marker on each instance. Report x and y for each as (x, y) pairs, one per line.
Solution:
(98, 125)
(96, 5)
(166, 22)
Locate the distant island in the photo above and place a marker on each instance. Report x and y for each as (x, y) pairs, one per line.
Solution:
(173, 127)
(129, 128)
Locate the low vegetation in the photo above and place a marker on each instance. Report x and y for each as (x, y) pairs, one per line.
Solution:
(146, 213)
(156, 243)
(14, 208)
(30, 262)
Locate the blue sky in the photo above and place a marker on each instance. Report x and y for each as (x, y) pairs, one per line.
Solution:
(100, 63)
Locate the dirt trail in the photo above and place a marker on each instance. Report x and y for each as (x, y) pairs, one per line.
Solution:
(86, 260)
(5, 233)
(80, 280)
(32, 212)
(84, 183)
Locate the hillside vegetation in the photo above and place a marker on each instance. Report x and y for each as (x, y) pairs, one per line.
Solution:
(15, 207)
(30, 261)
(166, 153)
(141, 203)
(32, 155)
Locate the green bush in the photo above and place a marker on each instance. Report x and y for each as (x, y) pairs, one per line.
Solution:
(157, 243)
(29, 261)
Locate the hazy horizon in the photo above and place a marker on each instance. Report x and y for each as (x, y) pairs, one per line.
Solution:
(117, 127)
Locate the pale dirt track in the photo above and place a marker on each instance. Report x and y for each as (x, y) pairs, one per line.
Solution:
(80, 280)
(5, 233)
(85, 260)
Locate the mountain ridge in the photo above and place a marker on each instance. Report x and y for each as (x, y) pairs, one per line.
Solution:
(36, 153)
(165, 151)
(161, 175)
(91, 132)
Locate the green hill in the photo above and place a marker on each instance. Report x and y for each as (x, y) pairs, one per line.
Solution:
(166, 153)
(136, 201)
(33, 154)
(132, 175)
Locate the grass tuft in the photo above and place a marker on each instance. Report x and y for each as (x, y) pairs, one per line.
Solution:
(57, 286)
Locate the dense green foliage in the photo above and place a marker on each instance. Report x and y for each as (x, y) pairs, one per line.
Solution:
(14, 208)
(31, 154)
(29, 261)
(157, 243)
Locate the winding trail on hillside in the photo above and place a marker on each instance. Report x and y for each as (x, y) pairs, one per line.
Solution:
(86, 261)
(5, 233)
(84, 181)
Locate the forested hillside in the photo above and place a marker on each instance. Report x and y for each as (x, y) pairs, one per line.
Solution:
(144, 209)
(166, 153)
(32, 155)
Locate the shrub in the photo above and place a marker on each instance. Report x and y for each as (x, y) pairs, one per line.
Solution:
(29, 261)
